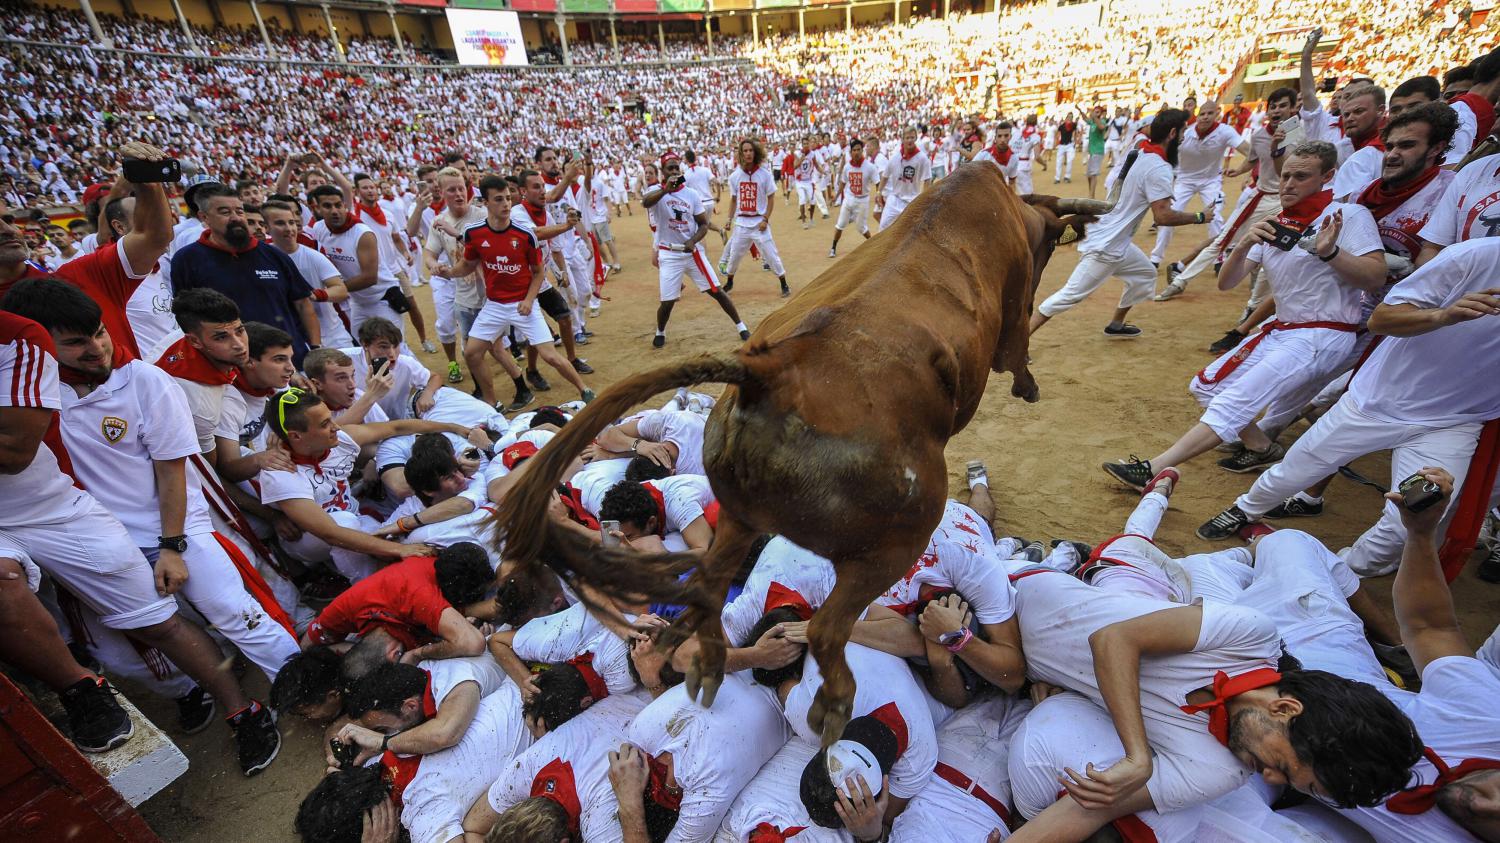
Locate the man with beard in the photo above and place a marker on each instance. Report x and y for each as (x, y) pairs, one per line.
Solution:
(1106, 251)
(1319, 256)
(255, 275)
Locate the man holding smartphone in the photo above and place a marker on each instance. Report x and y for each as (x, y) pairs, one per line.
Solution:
(680, 215)
(110, 274)
(1319, 256)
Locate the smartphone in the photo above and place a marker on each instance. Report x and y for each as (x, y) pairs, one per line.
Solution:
(141, 171)
(378, 364)
(607, 529)
(1286, 236)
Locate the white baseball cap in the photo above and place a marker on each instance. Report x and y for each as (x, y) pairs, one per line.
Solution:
(846, 759)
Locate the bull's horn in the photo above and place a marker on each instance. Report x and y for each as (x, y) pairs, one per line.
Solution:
(1097, 207)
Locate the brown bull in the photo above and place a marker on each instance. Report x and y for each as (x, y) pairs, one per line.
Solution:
(832, 428)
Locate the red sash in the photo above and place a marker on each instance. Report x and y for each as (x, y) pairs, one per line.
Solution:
(1473, 501)
(968, 785)
(1244, 351)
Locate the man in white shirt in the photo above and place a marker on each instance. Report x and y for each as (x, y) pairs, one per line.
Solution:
(1320, 256)
(681, 216)
(355, 252)
(457, 300)
(127, 434)
(1409, 396)
(1106, 250)
(327, 283)
(1468, 209)
(905, 177)
(1026, 144)
(856, 180)
(968, 796)
(805, 179)
(1200, 161)
(753, 191)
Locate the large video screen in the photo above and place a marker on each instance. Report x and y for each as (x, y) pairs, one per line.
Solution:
(487, 37)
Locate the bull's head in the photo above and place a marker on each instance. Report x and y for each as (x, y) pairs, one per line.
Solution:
(1054, 221)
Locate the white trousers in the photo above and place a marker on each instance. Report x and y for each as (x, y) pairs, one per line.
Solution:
(1094, 269)
(1284, 371)
(1023, 178)
(1212, 195)
(1063, 169)
(1252, 207)
(739, 245)
(1344, 434)
(352, 564)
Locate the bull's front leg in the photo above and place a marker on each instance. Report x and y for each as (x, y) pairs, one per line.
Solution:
(860, 581)
(732, 541)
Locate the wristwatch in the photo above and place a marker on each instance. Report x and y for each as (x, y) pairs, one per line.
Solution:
(177, 543)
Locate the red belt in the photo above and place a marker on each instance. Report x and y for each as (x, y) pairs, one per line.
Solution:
(1245, 350)
(969, 786)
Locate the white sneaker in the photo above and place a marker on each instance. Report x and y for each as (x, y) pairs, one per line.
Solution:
(833, 253)
(428, 347)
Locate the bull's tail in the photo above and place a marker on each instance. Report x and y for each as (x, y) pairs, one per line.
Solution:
(530, 534)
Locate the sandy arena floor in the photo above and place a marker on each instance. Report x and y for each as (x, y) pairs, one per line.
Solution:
(1100, 400)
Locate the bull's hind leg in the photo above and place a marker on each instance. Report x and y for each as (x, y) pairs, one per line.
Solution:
(710, 586)
(861, 579)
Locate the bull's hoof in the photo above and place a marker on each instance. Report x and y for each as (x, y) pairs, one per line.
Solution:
(707, 682)
(829, 717)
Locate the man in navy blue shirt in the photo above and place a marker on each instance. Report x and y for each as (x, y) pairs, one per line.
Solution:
(260, 278)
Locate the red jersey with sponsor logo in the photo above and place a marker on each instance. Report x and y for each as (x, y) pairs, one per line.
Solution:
(506, 256)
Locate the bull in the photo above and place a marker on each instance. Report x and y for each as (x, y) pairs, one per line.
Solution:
(833, 422)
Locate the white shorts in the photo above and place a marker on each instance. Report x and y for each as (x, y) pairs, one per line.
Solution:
(602, 230)
(674, 266)
(496, 318)
(894, 205)
(93, 556)
(854, 210)
(806, 192)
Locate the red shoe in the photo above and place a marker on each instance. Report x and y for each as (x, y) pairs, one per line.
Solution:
(1164, 473)
(1254, 530)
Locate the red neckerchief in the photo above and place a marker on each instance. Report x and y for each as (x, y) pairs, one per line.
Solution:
(1416, 800)
(572, 499)
(891, 717)
(538, 215)
(585, 666)
(399, 771)
(375, 213)
(1226, 688)
(429, 702)
(244, 386)
(550, 181)
(206, 238)
(316, 463)
(1381, 201)
(555, 783)
(1373, 140)
(181, 360)
(1302, 214)
(779, 595)
(1202, 134)
(661, 509)
(657, 789)
(1154, 149)
(998, 155)
(767, 833)
(349, 220)
(303, 239)
(1484, 114)
(438, 206)
(914, 151)
(75, 377)
(1028, 130)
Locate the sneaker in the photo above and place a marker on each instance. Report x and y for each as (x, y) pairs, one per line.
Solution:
(1167, 476)
(587, 396)
(744, 335)
(1489, 567)
(1126, 331)
(833, 253)
(580, 338)
(1135, 472)
(95, 718)
(258, 739)
(1395, 659)
(765, 265)
(1295, 507)
(195, 710)
(806, 224)
(536, 380)
(659, 340)
(1172, 290)
(522, 400)
(825, 215)
(582, 367)
(1224, 525)
(728, 282)
(976, 474)
(557, 342)
(1034, 552)
(785, 290)
(429, 347)
(586, 332)
(1247, 460)
(594, 311)
(1230, 339)
(455, 374)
